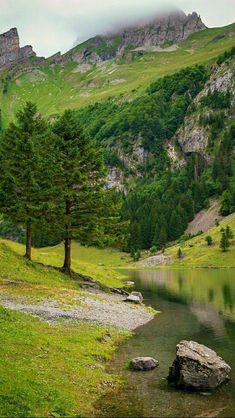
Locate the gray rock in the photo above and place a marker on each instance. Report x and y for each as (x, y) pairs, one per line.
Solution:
(143, 363)
(138, 294)
(133, 299)
(197, 367)
(10, 51)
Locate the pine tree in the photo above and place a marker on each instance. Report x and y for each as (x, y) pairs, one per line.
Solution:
(27, 161)
(81, 181)
(224, 243)
(209, 240)
(179, 254)
(229, 232)
(162, 238)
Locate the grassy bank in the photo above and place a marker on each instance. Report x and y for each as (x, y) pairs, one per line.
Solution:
(99, 264)
(196, 252)
(49, 370)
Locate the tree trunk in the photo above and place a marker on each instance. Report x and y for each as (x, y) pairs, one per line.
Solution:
(28, 253)
(67, 256)
(67, 241)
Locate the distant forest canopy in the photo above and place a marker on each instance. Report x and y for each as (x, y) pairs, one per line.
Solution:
(162, 201)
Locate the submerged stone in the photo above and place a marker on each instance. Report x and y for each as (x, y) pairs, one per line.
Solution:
(143, 363)
(197, 367)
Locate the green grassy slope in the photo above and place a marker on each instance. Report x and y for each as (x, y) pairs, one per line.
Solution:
(48, 370)
(198, 254)
(89, 261)
(55, 88)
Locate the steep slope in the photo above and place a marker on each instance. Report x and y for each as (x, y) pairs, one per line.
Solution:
(205, 219)
(196, 252)
(214, 104)
(55, 85)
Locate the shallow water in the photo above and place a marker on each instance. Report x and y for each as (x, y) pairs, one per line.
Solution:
(195, 305)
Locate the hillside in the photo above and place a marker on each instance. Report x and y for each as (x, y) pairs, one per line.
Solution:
(55, 86)
(196, 252)
(99, 264)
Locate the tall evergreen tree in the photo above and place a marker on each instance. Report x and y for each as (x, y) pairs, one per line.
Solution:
(27, 161)
(81, 181)
(224, 243)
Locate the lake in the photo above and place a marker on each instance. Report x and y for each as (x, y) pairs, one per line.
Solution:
(197, 305)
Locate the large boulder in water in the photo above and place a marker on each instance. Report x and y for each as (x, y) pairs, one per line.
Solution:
(143, 363)
(197, 367)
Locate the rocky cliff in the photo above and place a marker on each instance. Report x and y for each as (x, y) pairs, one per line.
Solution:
(196, 133)
(10, 51)
(164, 30)
(174, 27)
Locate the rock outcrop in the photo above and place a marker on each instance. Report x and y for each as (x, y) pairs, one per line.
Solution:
(149, 35)
(143, 364)
(197, 367)
(193, 136)
(10, 51)
(173, 27)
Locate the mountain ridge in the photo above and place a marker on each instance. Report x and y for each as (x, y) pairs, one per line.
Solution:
(162, 29)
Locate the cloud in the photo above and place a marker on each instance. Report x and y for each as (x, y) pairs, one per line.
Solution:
(53, 25)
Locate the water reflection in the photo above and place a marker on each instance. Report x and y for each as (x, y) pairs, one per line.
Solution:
(214, 287)
(196, 305)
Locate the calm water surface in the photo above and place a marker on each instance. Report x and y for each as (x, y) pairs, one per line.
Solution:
(195, 305)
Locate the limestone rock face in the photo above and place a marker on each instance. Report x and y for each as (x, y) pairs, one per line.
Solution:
(143, 363)
(192, 136)
(197, 367)
(173, 27)
(145, 36)
(10, 51)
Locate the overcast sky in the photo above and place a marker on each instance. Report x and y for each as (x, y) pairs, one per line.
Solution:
(54, 25)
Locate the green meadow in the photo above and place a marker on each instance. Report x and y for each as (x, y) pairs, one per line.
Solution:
(55, 88)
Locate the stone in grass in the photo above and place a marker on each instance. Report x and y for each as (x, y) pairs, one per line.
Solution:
(143, 364)
(197, 367)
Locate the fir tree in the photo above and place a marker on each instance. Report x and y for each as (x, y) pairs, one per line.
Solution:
(229, 232)
(209, 240)
(224, 243)
(28, 164)
(179, 254)
(82, 173)
(162, 237)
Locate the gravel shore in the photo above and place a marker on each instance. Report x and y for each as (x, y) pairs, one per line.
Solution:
(102, 308)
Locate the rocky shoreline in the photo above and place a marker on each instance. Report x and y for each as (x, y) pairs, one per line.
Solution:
(103, 308)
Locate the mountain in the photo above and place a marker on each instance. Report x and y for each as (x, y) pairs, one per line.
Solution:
(166, 29)
(159, 98)
(70, 81)
(10, 52)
